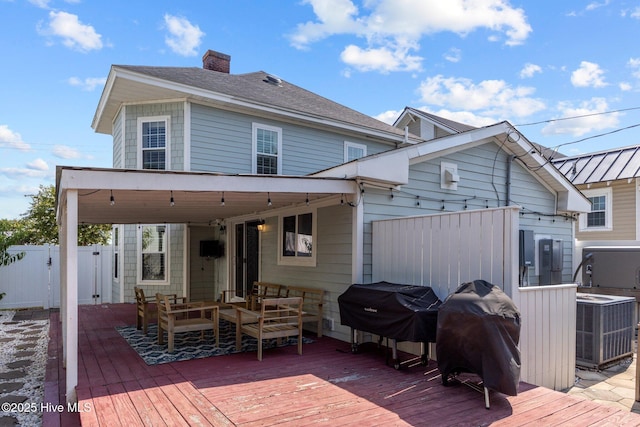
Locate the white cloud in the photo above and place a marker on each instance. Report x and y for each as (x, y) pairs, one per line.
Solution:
(75, 35)
(529, 70)
(388, 116)
(634, 64)
(66, 152)
(184, 38)
(43, 4)
(490, 97)
(596, 5)
(88, 84)
(38, 165)
(453, 55)
(381, 59)
(389, 26)
(624, 86)
(588, 75)
(636, 13)
(587, 118)
(9, 138)
(27, 172)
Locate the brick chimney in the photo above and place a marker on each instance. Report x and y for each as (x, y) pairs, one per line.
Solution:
(216, 61)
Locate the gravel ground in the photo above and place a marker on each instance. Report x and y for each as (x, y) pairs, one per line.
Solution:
(23, 359)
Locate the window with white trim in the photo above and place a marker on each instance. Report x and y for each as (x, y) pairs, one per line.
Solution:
(153, 141)
(353, 151)
(153, 250)
(601, 216)
(267, 149)
(297, 244)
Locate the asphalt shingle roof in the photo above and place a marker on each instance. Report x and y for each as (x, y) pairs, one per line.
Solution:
(256, 88)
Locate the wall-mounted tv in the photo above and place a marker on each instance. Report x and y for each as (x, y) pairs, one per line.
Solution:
(211, 249)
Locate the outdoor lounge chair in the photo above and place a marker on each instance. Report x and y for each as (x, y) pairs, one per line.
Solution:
(277, 318)
(185, 317)
(147, 310)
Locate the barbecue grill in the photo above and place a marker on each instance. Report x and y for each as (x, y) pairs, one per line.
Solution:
(478, 332)
(394, 311)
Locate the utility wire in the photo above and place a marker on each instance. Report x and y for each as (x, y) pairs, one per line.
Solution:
(579, 117)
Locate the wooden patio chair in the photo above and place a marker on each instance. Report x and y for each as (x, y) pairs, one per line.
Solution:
(278, 318)
(146, 308)
(185, 317)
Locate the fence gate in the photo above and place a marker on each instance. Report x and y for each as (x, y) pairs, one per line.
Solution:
(34, 281)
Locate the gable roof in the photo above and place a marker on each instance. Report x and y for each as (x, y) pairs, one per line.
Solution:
(603, 166)
(392, 167)
(255, 93)
(447, 125)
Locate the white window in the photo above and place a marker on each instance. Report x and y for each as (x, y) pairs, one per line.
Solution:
(353, 151)
(601, 216)
(153, 249)
(297, 244)
(267, 150)
(153, 142)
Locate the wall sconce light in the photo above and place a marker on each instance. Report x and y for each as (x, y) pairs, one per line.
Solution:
(261, 225)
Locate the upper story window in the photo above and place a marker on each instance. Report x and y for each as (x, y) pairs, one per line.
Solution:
(297, 239)
(153, 246)
(153, 140)
(353, 151)
(267, 150)
(601, 216)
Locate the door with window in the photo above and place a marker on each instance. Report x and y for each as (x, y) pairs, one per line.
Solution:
(247, 255)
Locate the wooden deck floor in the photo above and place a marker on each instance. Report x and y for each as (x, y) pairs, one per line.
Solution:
(327, 385)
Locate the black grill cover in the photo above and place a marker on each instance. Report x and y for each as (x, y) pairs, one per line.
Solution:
(478, 332)
(401, 312)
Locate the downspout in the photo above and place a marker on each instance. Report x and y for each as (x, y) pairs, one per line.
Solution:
(508, 183)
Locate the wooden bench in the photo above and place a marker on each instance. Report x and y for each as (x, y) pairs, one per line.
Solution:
(278, 318)
(185, 317)
(312, 300)
(263, 290)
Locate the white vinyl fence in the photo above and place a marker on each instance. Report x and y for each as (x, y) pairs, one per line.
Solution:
(445, 250)
(34, 281)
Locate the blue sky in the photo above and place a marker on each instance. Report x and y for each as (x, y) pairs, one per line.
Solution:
(475, 62)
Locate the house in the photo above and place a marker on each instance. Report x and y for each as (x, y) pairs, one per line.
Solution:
(223, 179)
(610, 180)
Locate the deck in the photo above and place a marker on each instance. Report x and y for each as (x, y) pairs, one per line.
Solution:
(327, 385)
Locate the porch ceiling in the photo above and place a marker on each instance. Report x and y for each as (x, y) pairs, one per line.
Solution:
(143, 197)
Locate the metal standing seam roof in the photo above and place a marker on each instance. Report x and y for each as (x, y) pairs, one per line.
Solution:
(604, 166)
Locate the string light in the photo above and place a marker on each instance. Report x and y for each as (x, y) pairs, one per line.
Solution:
(112, 200)
(171, 201)
(307, 199)
(222, 199)
(269, 199)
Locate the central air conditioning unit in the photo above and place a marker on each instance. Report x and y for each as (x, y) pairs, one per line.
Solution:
(604, 329)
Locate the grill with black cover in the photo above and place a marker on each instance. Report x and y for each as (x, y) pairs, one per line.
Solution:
(396, 311)
(478, 332)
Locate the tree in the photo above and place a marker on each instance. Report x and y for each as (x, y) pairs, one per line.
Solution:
(7, 240)
(38, 225)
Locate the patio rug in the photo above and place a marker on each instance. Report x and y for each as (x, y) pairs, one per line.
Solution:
(187, 345)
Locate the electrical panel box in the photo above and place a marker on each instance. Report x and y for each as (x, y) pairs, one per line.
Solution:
(551, 261)
(611, 267)
(527, 249)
